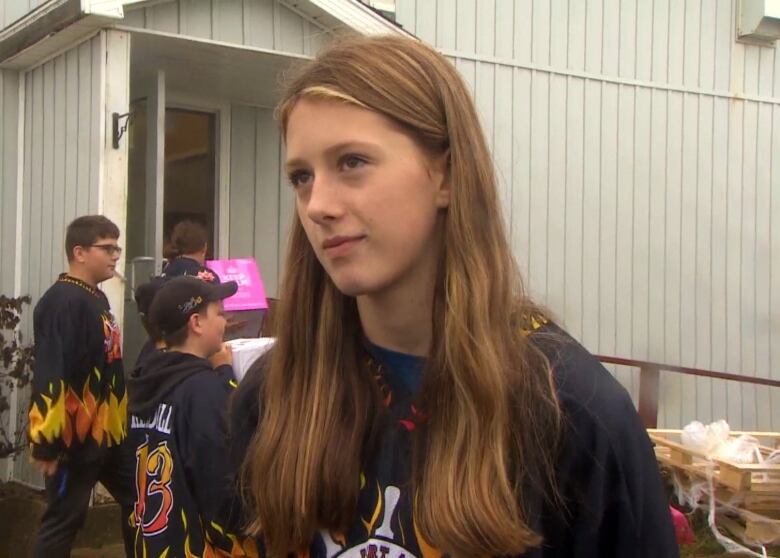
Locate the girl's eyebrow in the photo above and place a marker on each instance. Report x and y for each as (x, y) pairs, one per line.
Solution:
(298, 162)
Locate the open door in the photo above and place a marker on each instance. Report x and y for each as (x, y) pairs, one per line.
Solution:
(172, 177)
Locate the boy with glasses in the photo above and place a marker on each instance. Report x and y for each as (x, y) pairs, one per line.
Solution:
(78, 411)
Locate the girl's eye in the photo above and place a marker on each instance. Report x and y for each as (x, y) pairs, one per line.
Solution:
(299, 178)
(350, 162)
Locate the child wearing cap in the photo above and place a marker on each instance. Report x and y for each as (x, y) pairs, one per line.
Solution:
(177, 402)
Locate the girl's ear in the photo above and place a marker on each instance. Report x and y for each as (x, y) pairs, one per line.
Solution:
(440, 172)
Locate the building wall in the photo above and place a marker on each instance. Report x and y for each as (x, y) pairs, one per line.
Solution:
(261, 204)
(634, 141)
(257, 23)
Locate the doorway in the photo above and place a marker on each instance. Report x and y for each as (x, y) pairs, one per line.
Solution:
(188, 189)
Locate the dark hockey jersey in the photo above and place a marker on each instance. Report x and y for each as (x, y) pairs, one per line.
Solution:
(615, 505)
(78, 403)
(184, 479)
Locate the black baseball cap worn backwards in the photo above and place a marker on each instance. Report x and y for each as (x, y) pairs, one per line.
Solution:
(181, 297)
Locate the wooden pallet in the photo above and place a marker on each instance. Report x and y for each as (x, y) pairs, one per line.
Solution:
(759, 479)
(751, 491)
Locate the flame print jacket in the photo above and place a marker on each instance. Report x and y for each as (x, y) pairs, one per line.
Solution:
(78, 404)
(184, 480)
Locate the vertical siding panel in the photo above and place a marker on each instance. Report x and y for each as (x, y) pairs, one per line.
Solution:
(573, 227)
(523, 31)
(610, 41)
(164, 17)
(734, 259)
(522, 141)
(676, 47)
(196, 18)
(228, 21)
(266, 217)
(624, 250)
(657, 226)
(641, 217)
(752, 55)
(466, 39)
(485, 18)
(92, 91)
(748, 260)
(259, 23)
(48, 176)
(774, 250)
(660, 40)
(591, 215)
(36, 194)
(559, 33)
(555, 215)
(425, 21)
(291, 31)
(522, 135)
(503, 108)
(672, 393)
(445, 24)
(242, 180)
(766, 64)
(724, 39)
(540, 25)
(539, 185)
(762, 263)
(628, 25)
(9, 126)
(576, 44)
(84, 76)
(691, 44)
(689, 186)
(27, 186)
(71, 134)
(610, 126)
(707, 47)
(644, 41)
(703, 289)
(405, 12)
(594, 37)
(718, 242)
(60, 154)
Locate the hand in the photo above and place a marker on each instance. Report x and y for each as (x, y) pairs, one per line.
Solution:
(47, 468)
(224, 356)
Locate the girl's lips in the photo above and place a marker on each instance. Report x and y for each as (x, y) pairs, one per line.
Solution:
(339, 246)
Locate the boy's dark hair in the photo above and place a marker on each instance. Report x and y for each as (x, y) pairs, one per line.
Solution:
(85, 230)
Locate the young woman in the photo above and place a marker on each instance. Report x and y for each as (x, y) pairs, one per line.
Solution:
(416, 401)
(186, 252)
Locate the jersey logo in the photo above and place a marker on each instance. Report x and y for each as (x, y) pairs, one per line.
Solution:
(154, 497)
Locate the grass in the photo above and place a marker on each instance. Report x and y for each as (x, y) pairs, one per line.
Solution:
(706, 546)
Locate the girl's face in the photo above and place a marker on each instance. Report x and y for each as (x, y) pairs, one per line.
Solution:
(368, 196)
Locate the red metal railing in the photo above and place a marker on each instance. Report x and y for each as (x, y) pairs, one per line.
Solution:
(650, 379)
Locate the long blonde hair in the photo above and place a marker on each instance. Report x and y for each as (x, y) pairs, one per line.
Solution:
(488, 392)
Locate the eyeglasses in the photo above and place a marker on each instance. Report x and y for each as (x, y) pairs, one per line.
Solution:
(109, 249)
